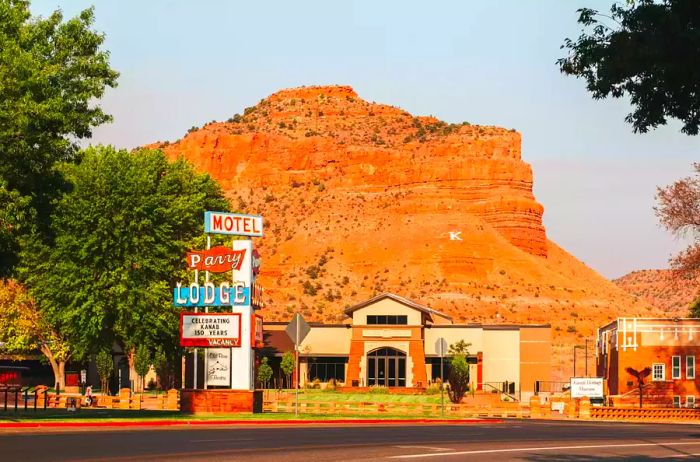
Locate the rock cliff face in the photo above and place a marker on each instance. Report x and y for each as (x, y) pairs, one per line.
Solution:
(360, 198)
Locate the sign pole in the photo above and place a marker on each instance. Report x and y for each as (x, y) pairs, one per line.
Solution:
(442, 386)
(296, 370)
(440, 347)
(206, 310)
(297, 330)
(233, 279)
(196, 351)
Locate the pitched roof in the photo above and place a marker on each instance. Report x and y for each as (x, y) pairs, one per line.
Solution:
(404, 301)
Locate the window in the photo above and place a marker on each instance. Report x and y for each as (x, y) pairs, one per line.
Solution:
(676, 401)
(658, 372)
(325, 369)
(690, 367)
(676, 367)
(690, 401)
(390, 319)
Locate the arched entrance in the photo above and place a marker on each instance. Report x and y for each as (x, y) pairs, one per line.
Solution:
(386, 367)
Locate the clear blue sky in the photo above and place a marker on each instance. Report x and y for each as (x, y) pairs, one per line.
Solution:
(184, 63)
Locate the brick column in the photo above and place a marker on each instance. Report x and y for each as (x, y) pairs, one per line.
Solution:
(357, 352)
(479, 371)
(584, 410)
(535, 408)
(416, 351)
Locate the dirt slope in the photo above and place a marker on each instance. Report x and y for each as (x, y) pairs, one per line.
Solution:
(663, 289)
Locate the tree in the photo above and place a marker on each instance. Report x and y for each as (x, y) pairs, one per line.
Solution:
(458, 375)
(679, 211)
(163, 369)
(16, 219)
(120, 236)
(287, 365)
(264, 373)
(640, 376)
(647, 50)
(52, 73)
(24, 330)
(142, 363)
(105, 366)
(695, 308)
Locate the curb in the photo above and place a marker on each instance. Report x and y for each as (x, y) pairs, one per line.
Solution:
(173, 423)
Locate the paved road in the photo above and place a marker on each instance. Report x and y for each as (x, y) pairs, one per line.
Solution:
(510, 440)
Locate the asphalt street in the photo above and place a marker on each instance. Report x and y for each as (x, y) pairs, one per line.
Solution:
(509, 440)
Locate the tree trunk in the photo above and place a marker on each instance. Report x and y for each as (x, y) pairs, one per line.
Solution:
(62, 374)
(641, 391)
(58, 368)
(133, 376)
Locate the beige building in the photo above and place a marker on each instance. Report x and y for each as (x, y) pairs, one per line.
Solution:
(391, 341)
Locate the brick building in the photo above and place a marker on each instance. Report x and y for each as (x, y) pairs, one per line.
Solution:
(668, 346)
(391, 341)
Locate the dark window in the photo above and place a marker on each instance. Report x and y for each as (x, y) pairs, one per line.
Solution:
(436, 368)
(325, 369)
(390, 319)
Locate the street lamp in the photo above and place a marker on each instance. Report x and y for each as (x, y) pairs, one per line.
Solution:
(585, 349)
(575, 347)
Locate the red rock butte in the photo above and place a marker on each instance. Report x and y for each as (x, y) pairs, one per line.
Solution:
(360, 198)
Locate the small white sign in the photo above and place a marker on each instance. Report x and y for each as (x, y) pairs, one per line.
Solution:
(591, 387)
(218, 367)
(210, 329)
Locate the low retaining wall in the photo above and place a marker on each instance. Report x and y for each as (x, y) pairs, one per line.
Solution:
(645, 414)
(220, 401)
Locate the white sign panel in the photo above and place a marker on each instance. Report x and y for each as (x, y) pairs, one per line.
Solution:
(234, 224)
(210, 330)
(591, 387)
(218, 367)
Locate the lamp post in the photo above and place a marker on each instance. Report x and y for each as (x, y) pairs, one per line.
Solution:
(575, 347)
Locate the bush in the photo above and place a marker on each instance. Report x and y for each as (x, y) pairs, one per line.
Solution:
(434, 388)
(312, 271)
(378, 390)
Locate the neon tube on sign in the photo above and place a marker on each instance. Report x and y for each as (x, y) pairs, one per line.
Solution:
(234, 224)
(217, 259)
(210, 295)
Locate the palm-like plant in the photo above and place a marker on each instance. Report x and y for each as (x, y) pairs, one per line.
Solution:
(640, 376)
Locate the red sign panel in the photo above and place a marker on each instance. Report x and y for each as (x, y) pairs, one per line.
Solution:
(217, 259)
(256, 262)
(257, 339)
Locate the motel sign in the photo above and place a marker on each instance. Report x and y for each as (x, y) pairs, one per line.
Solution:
(234, 224)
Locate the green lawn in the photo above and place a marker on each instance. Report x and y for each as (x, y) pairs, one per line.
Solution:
(306, 395)
(357, 397)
